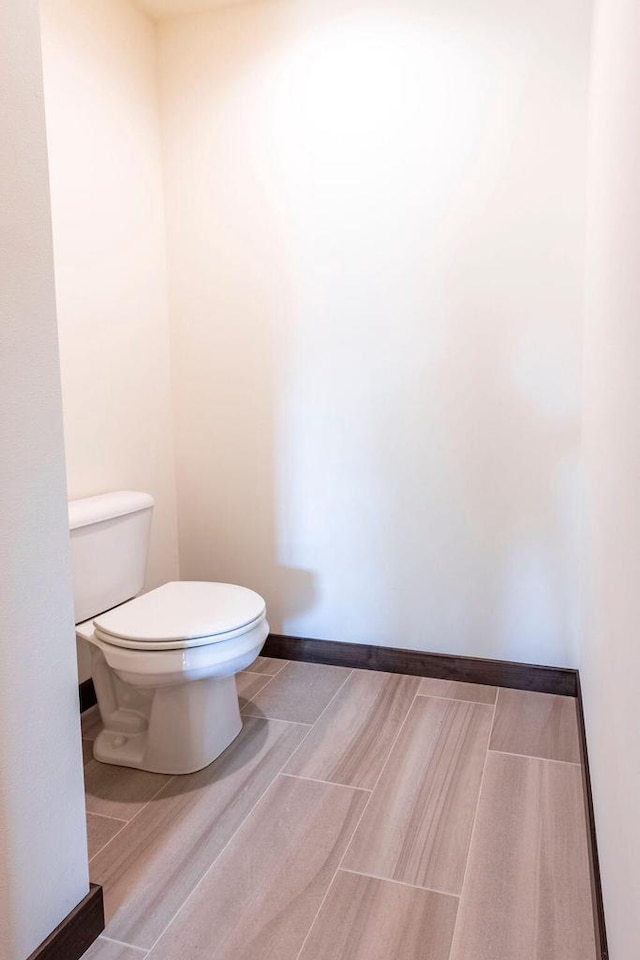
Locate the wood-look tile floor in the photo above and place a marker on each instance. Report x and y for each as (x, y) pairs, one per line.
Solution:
(358, 815)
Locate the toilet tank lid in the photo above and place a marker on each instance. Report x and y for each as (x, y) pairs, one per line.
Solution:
(106, 506)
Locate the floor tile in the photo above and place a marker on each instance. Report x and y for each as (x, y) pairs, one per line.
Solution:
(119, 792)
(234, 862)
(100, 830)
(536, 725)
(457, 690)
(367, 919)
(152, 866)
(351, 742)
(417, 826)
(260, 898)
(527, 892)
(300, 692)
(103, 949)
(91, 723)
(248, 685)
(267, 665)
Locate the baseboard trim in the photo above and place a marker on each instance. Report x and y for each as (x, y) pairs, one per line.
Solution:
(443, 666)
(501, 673)
(73, 937)
(88, 697)
(594, 862)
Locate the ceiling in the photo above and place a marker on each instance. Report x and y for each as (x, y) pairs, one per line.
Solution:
(165, 9)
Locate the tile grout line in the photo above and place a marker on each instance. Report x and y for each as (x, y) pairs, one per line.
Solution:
(121, 943)
(136, 814)
(434, 696)
(105, 816)
(244, 820)
(355, 829)
(473, 828)
(285, 663)
(392, 745)
(402, 883)
(318, 718)
(212, 864)
(297, 722)
(116, 834)
(262, 716)
(533, 756)
(269, 678)
(329, 783)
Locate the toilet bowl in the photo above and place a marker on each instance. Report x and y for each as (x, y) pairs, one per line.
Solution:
(164, 670)
(164, 662)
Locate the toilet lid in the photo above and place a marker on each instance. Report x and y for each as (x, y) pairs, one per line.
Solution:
(182, 611)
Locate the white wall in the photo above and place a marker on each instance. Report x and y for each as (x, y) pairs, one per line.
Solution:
(43, 855)
(610, 658)
(110, 261)
(375, 224)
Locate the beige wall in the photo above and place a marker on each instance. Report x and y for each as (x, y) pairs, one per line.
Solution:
(375, 226)
(166, 9)
(610, 658)
(43, 854)
(108, 224)
(375, 217)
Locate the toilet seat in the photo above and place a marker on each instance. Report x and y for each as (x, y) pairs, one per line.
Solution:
(164, 667)
(180, 615)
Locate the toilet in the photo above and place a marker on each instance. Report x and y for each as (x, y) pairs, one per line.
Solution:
(163, 662)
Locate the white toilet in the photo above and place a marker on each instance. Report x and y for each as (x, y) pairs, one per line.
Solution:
(163, 664)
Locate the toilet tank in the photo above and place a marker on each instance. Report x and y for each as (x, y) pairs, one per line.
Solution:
(109, 546)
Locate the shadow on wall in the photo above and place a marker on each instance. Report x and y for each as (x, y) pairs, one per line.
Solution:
(513, 472)
(375, 224)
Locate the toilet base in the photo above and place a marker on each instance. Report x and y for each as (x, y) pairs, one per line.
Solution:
(174, 729)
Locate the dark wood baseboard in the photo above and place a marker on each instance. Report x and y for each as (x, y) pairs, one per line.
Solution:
(88, 697)
(594, 863)
(500, 673)
(443, 666)
(77, 932)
